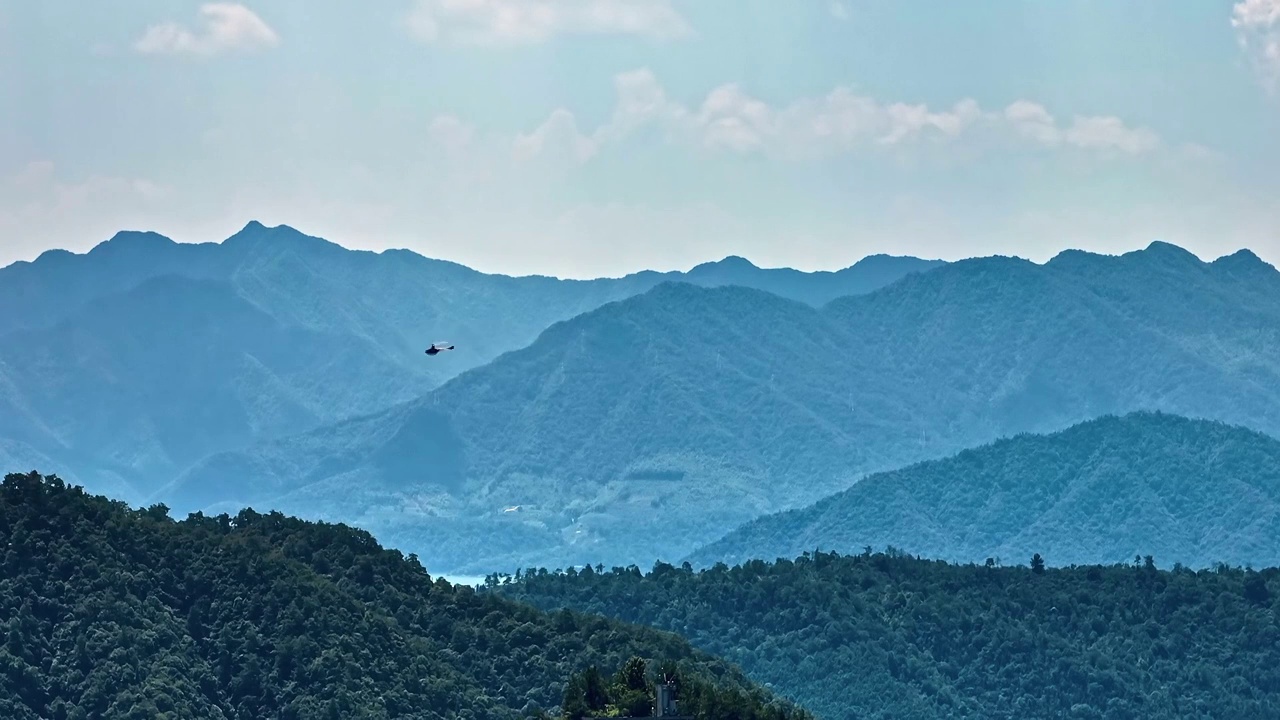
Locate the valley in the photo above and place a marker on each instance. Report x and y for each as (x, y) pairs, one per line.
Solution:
(945, 448)
(684, 412)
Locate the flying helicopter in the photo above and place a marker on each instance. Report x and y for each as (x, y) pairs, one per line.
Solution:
(437, 348)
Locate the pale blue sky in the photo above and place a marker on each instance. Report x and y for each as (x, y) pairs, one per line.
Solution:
(588, 137)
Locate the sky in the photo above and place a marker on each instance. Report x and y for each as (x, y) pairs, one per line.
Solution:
(585, 138)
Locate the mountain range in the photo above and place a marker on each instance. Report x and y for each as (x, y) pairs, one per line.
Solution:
(122, 367)
(653, 425)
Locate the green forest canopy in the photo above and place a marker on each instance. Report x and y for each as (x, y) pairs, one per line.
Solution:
(112, 612)
(887, 635)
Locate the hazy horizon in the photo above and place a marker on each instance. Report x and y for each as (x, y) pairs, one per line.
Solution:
(591, 138)
(515, 272)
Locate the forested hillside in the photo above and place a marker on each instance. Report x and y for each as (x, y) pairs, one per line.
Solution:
(612, 424)
(126, 364)
(997, 346)
(654, 425)
(886, 635)
(1189, 491)
(111, 612)
(145, 383)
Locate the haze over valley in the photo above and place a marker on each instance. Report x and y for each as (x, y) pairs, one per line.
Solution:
(615, 420)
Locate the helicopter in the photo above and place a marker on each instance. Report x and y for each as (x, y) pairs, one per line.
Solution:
(437, 348)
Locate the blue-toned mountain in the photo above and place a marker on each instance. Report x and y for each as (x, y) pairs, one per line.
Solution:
(125, 365)
(656, 424)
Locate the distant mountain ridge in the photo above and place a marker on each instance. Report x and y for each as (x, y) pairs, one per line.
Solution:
(656, 424)
(124, 365)
(1104, 491)
(39, 293)
(816, 288)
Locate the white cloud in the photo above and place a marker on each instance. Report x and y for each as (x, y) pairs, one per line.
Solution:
(37, 182)
(38, 203)
(911, 120)
(641, 102)
(520, 22)
(1257, 24)
(731, 120)
(1033, 121)
(33, 175)
(450, 133)
(557, 137)
(226, 26)
(1099, 132)
(1110, 132)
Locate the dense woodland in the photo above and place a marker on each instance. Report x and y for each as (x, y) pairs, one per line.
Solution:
(112, 612)
(887, 635)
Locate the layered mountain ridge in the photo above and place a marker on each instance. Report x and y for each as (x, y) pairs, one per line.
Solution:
(127, 364)
(1101, 492)
(656, 424)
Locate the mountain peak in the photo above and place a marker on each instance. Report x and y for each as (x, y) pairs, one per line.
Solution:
(730, 263)
(1166, 250)
(736, 261)
(1243, 260)
(255, 229)
(131, 240)
(1070, 256)
(49, 256)
(254, 233)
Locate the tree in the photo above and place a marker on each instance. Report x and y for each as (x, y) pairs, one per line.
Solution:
(574, 704)
(1255, 588)
(593, 689)
(1037, 564)
(634, 675)
(633, 695)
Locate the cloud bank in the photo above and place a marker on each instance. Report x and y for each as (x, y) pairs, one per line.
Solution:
(730, 120)
(224, 27)
(525, 22)
(1257, 25)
